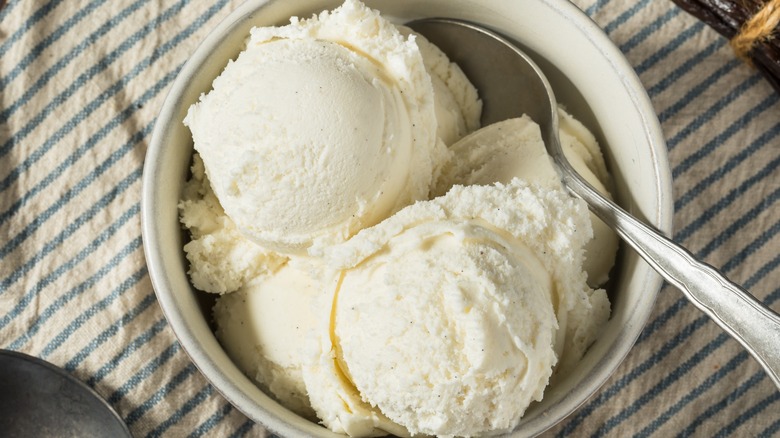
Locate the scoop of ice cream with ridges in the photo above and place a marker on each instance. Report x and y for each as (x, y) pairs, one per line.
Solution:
(465, 302)
(310, 361)
(319, 128)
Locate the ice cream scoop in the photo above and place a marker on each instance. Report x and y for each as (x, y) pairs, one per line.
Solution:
(749, 321)
(263, 327)
(514, 148)
(466, 303)
(319, 128)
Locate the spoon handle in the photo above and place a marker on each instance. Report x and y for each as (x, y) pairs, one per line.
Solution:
(733, 308)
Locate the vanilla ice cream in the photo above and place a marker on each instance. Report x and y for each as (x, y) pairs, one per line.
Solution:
(263, 327)
(456, 101)
(381, 266)
(451, 314)
(221, 259)
(514, 148)
(319, 128)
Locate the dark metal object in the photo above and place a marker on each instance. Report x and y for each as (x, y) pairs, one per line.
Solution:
(38, 399)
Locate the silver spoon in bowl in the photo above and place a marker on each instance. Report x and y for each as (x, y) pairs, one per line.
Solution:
(503, 74)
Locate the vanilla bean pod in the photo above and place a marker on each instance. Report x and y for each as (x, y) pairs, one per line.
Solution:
(729, 18)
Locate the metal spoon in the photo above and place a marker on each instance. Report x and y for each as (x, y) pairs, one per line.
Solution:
(510, 84)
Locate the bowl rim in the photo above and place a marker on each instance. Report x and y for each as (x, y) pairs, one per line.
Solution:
(661, 218)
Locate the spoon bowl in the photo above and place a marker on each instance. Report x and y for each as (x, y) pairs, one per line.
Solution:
(515, 85)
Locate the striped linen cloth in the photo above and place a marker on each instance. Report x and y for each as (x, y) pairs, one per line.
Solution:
(82, 81)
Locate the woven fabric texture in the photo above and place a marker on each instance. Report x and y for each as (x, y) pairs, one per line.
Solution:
(82, 81)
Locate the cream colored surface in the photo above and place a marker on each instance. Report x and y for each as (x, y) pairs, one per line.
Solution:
(264, 326)
(453, 312)
(457, 103)
(338, 404)
(514, 148)
(496, 300)
(319, 128)
(616, 88)
(85, 82)
(221, 259)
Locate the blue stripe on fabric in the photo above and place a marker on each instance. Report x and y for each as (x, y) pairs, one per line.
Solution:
(80, 152)
(4, 11)
(161, 393)
(673, 309)
(680, 371)
(47, 41)
(191, 404)
(27, 25)
(752, 247)
(133, 346)
(107, 334)
(661, 53)
(656, 324)
(606, 394)
(643, 367)
(685, 68)
(728, 429)
(52, 71)
(147, 370)
(211, 422)
(99, 306)
(773, 428)
(640, 36)
(83, 218)
(64, 268)
(671, 47)
(42, 317)
(596, 7)
(83, 79)
(757, 144)
(693, 92)
(668, 381)
(707, 115)
(63, 200)
(735, 127)
(727, 199)
(713, 409)
(40, 219)
(243, 429)
(625, 16)
(737, 225)
(763, 271)
(681, 303)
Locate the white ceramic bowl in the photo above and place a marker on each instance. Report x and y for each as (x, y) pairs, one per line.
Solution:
(590, 77)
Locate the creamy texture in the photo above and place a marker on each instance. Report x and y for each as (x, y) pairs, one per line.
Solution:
(338, 404)
(264, 326)
(348, 293)
(319, 128)
(514, 148)
(457, 103)
(482, 321)
(466, 302)
(221, 259)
